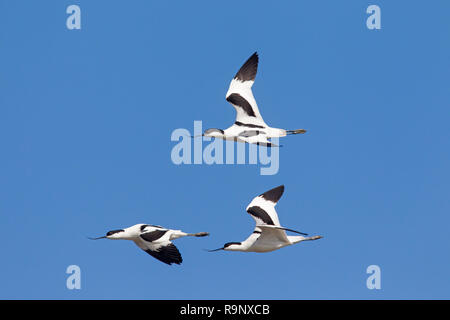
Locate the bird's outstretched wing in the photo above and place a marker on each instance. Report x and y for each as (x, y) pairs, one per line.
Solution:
(262, 207)
(240, 94)
(262, 210)
(166, 253)
(156, 244)
(255, 137)
(269, 234)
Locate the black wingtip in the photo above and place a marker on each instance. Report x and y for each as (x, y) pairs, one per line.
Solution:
(274, 194)
(295, 231)
(249, 69)
(168, 254)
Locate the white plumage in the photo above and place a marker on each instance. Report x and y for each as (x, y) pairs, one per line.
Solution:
(268, 234)
(249, 126)
(155, 240)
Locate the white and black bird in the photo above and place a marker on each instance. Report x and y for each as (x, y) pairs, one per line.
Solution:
(249, 126)
(268, 235)
(155, 240)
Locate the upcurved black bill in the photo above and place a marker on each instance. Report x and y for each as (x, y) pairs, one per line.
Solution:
(104, 237)
(215, 250)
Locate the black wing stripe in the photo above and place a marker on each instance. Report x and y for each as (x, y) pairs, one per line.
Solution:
(249, 125)
(168, 254)
(153, 235)
(248, 70)
(274, 194)
(239, 101)
(260, 214)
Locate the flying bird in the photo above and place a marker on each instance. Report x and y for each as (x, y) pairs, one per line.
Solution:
(155, 240)
(249, 126)
(268, 235)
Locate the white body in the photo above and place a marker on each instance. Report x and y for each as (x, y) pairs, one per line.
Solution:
(249, 126)
(155, 240)
(269, 240)
(234, 133)
(268, 234)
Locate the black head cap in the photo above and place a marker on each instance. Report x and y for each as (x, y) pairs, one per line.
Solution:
(109, 233)
(230, 243)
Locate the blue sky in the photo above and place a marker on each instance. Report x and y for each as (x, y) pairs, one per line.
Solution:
(86, 118)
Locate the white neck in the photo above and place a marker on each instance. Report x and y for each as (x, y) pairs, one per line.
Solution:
(246, 244)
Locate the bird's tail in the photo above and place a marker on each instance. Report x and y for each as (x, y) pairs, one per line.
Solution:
(199, 234)
(296, 239)
(314, 238)
(295, 131)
